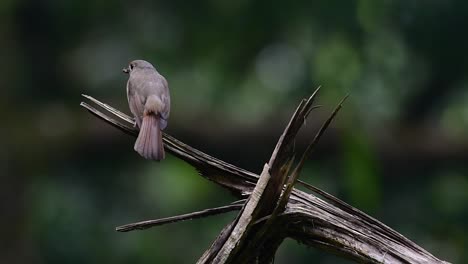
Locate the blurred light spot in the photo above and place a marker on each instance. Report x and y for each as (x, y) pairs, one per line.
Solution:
(388, 75)
(280, 67)
(251, 103)
(337, 64)
(373, 94)
(55, 121)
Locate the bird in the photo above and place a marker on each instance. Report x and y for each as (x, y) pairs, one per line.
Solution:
(150, 103)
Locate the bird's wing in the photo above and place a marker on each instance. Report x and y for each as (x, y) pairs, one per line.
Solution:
(135, 103)
(166, 100)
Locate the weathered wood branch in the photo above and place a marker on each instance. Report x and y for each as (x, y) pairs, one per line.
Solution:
(253, 241)
(275, 210)
(173, 219)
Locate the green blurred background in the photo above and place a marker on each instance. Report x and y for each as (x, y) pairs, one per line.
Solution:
(236, 70)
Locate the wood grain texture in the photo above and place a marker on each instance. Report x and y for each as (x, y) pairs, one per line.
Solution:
(315, 219)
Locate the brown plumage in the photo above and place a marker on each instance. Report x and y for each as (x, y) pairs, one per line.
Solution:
(150, 103)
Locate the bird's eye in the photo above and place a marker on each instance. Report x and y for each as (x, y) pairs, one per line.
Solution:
(131, 66)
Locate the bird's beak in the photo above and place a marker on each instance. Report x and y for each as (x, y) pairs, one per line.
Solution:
(126, 70)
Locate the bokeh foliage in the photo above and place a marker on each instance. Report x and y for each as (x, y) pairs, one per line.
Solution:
(236, 70)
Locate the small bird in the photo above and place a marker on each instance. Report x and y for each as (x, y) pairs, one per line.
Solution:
(150, 103)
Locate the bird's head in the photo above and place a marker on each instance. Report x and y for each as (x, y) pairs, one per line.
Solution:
(137, 64)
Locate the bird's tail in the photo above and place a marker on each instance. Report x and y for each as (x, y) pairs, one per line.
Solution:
(149, 143)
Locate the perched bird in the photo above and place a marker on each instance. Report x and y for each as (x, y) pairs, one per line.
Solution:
(150, 103)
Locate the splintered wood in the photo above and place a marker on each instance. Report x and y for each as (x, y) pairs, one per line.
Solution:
(271, 209)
